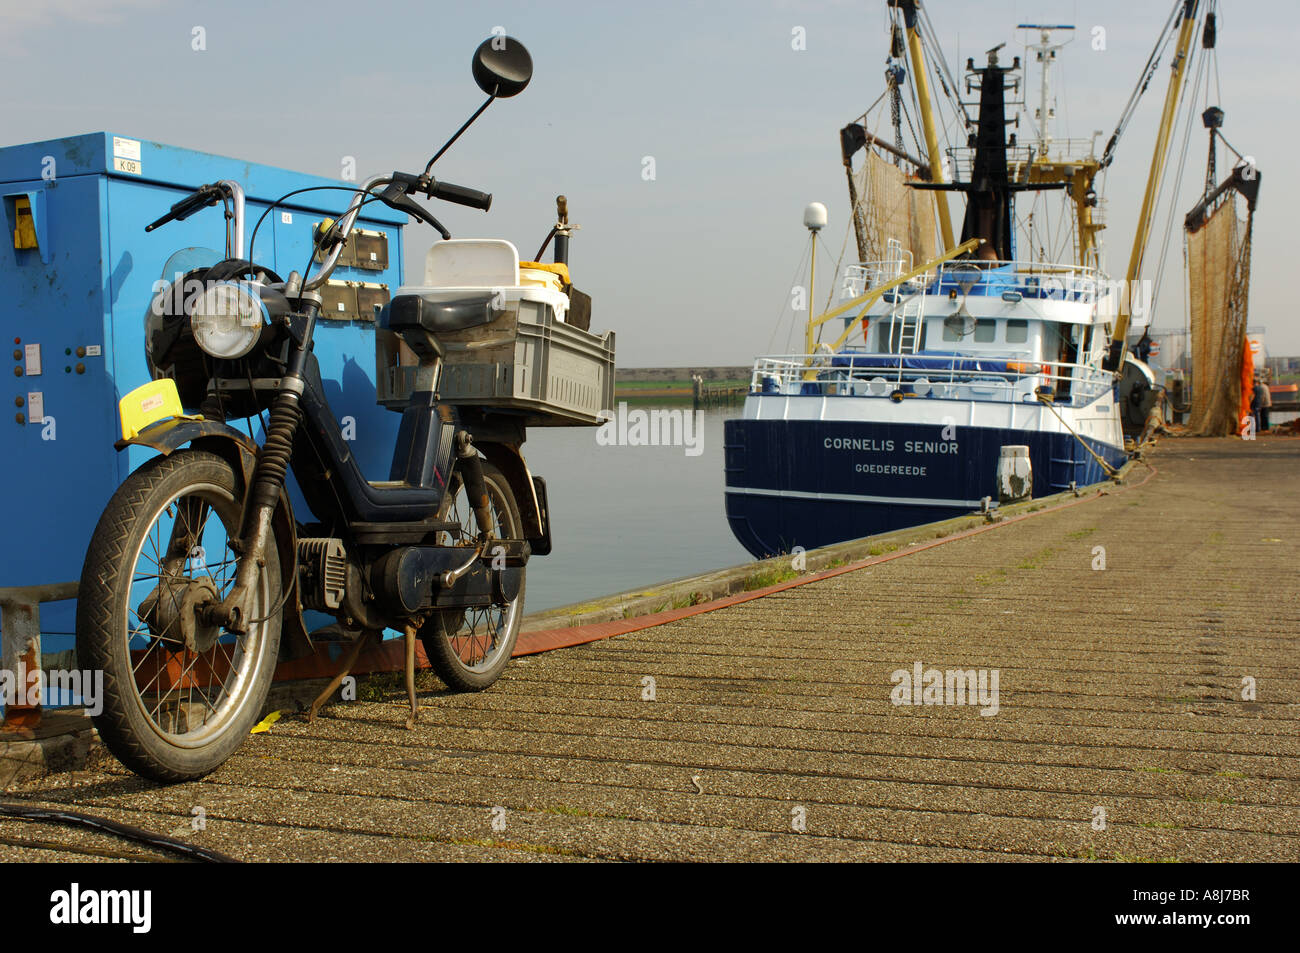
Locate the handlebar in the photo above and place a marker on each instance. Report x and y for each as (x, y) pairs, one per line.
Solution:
(206, 195)
(447, 191)
(397, 195)
(460, 195)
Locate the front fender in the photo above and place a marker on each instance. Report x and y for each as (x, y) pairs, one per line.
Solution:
(240, 450)
(167, 436)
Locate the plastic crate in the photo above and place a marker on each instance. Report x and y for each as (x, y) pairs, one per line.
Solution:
(525, 361)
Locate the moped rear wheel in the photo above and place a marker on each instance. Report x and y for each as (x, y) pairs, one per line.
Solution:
(470, 648)
(179, 694)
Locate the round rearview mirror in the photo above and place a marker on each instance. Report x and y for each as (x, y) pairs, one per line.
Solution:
(502, 67)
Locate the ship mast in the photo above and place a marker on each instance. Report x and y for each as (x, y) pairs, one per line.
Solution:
(1045, 53)
(1115, 356)
(922, 82)
(1076, 172)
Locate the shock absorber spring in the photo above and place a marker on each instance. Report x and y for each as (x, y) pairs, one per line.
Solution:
(273, 460)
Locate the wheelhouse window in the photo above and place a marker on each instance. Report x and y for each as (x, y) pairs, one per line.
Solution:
(1017, 331)
(897, 337)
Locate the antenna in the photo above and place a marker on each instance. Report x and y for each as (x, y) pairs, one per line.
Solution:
(1045, 52)
(814, 219)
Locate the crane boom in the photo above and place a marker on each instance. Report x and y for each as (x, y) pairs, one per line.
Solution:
(917, 55)
(1115, 356)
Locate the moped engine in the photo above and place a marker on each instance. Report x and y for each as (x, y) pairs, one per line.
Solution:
(322, 573)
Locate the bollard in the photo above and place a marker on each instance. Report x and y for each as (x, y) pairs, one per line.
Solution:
(20, 649)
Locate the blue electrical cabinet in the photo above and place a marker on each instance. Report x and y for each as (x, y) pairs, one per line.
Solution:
(77, 273)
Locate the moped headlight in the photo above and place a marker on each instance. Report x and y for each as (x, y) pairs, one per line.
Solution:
(227, 319)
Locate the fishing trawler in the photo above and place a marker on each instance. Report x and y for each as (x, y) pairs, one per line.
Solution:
(951, 355)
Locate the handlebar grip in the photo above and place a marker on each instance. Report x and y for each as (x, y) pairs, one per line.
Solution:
(461, 195)
(185, 207)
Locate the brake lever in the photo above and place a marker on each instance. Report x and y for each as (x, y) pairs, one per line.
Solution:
(395, 197)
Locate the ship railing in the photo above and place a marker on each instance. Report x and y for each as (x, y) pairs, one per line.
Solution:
(860, 278)
(1020, 156)
(1032, 280)
(1014, 378)
(1026, 279)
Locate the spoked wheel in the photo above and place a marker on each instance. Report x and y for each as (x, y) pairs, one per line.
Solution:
(180, 694)
(469, 648)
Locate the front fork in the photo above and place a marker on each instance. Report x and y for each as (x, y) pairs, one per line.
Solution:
(255, 532)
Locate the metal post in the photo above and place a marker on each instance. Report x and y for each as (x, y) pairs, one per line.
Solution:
(20, 649)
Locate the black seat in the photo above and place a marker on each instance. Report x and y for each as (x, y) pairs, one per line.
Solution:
(418, 318)
(435, 314)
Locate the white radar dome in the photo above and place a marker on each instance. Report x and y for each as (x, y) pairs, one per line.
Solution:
(814, 216)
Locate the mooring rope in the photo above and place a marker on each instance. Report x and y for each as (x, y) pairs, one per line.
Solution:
(1046, 402)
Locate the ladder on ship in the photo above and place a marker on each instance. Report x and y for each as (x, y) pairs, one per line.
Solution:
(907, 315)
(909, 333)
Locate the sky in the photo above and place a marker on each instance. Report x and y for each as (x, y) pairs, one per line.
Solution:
(692, 265)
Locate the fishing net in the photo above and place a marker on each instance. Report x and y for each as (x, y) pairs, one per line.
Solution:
(1218, 268)
(889, 209)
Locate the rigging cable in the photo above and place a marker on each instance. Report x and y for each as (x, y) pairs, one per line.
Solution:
(1144, 80)
(781, 316)
(946, 81)
(1200, 69)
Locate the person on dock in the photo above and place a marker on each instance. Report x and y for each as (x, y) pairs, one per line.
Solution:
(1261, 402)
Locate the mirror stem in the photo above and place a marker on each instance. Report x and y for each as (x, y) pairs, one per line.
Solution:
(468, 122)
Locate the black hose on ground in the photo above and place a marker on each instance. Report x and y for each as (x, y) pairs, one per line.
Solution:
(139, 835)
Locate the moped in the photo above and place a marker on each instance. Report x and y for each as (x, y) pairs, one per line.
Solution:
(199, 568)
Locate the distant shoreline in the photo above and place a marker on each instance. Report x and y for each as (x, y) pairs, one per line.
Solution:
(672, 384)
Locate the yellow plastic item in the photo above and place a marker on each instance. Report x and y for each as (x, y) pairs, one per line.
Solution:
(557, 268)
(25, 233)
(265, 724)
(149, 404)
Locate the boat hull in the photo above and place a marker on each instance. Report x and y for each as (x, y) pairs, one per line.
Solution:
(812, 483)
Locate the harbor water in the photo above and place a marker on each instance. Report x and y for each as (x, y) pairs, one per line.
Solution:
(625, 516)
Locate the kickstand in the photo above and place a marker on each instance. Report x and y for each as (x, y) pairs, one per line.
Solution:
(359, 643)
(414, 716)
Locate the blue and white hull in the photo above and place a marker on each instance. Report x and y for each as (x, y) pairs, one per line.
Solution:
(811, 483)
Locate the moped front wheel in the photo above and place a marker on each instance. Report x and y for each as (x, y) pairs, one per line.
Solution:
(179, 693)
(470, 648)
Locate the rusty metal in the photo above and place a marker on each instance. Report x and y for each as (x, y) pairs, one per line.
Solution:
(414, 716)
(20, 647)
(350, 659)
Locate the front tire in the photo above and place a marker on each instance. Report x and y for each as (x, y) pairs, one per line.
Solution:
(178, 696)
(470, 648)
